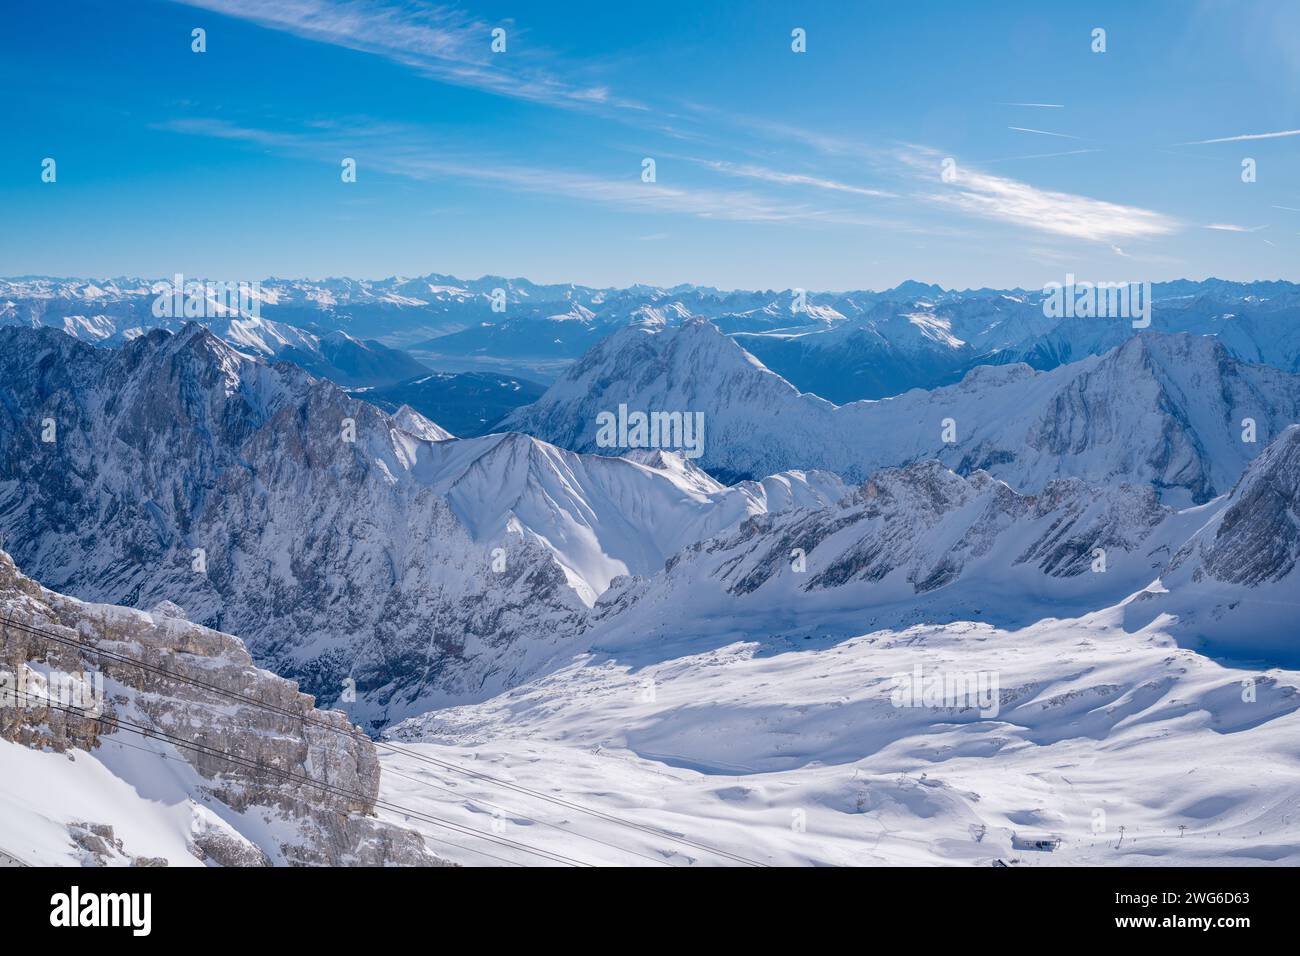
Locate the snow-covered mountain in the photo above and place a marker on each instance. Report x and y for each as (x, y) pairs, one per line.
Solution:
(630, 625)
(121, 310)
(342, 541)
(338, 540)
(351, 362)
(1161, 409)
(1085, 525)
(1253, 540)
(932, 337)
(130, 771)
(896, 345)
(922, 544)
(907, 538)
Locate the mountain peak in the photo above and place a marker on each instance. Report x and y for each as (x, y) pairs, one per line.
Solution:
(913, 287)
(413, 423)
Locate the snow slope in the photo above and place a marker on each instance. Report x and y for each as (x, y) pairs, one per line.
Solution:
(789, 751)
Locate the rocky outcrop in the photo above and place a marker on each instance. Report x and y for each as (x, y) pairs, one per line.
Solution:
(1255, 537)
(261, 760)
(1230, 587)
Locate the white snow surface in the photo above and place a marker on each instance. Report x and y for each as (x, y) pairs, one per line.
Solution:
(788, 751)
(745, 707)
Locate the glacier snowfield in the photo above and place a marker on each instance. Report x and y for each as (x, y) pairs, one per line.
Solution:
(789, 751)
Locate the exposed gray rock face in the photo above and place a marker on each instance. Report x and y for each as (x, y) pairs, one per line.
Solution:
(1083, 519)
(223, 848)
(289, 821)
(1255, 539)
(100, 847)
(174, 450)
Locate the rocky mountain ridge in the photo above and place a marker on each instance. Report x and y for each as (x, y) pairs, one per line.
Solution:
(340, 541)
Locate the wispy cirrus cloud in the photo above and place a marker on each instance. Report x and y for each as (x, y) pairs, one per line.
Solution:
(439, 42)
(979, 193)
(976, 192)
(1042, 132)
(1232, 227)
(823, 143)
(1243, 137)
(1013, 159)
(762, 173)
(1044, 210)
(402, 151)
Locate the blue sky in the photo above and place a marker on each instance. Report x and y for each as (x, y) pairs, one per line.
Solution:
(774, 169)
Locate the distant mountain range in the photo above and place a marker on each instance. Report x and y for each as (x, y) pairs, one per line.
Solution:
(347, 361)
(844, 346)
